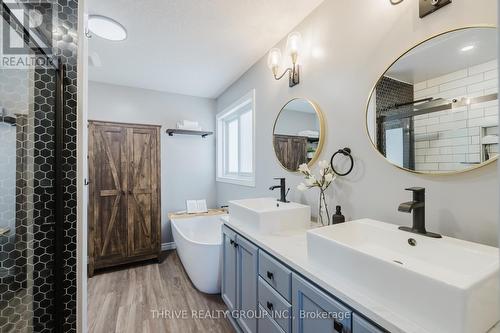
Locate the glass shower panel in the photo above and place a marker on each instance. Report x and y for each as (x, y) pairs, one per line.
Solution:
(16, 199)
(27, 196)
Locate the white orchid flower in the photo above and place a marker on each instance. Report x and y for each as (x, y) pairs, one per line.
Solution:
(304, 168)
(301, 187)
(329, 177)
(310, 181)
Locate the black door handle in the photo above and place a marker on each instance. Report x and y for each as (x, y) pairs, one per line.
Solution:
(269, 306)
(270, 275)
(338, 327)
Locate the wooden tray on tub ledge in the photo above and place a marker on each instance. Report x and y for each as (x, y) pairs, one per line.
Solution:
(211, 212)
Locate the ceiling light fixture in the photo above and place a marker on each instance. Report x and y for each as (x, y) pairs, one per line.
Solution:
(293, 46)
(467, 48)
(395, 2)
(106, 28)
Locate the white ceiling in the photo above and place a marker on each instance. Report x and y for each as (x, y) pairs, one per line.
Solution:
(192, 47)
(442, 55)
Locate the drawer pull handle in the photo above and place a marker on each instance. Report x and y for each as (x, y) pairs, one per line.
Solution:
(270, 306)
(270, 275)
(338, 327)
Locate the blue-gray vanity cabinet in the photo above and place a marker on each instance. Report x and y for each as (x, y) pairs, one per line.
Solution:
(360, 325)
(280, 290)
(239, 278)
(316, 311)
(246, 288)
(228, 279)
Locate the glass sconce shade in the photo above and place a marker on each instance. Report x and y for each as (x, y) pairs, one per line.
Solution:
(293, 45)
(274, 59)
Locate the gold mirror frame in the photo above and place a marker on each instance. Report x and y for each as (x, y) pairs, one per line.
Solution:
(382, 75)
(322, 131)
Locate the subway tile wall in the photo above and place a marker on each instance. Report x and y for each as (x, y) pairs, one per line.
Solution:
(453, 139)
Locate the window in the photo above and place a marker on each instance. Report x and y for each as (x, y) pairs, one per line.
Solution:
(235, 142)
(394, 144)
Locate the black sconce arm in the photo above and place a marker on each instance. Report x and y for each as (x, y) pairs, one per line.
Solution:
(281, 76)
(293, 75)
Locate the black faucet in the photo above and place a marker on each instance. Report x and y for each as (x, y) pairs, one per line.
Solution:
(418, 208)
(282, 187)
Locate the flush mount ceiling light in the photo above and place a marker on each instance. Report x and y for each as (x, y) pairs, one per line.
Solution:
(106, 28)
(395, 2)
(467, 48)
(293, 45)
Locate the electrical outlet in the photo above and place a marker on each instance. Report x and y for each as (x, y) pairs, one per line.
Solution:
(430, 6)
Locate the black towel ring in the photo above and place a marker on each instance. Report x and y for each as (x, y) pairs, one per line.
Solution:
(346, 152)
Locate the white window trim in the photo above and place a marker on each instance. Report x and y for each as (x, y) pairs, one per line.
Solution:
(224, 178)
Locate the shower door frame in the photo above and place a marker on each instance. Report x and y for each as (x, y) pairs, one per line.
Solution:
(60, 70)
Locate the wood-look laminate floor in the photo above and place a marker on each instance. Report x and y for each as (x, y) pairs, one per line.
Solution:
(130, 300)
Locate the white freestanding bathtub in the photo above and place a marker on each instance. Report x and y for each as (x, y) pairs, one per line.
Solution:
(199, 246)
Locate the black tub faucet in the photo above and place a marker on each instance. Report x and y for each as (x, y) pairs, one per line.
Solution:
(282, 187)
(417, 206)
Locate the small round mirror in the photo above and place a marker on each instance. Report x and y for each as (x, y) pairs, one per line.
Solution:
(298, 134)
(435, 109)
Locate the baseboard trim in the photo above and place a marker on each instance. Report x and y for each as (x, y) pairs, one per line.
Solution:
(168, 246)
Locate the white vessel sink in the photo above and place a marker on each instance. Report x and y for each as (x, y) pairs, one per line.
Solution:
(443, 285)
(269, 215)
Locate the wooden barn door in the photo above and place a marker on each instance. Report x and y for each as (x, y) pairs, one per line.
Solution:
(143, 210)
(107, 161)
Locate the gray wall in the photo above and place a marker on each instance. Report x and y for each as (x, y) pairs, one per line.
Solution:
(188, 162)
(348, 45)
(291, 122)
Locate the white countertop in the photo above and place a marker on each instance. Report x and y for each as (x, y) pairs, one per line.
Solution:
(291, 248)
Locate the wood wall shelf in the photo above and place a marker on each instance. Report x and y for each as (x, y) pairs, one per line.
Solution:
(203, 134)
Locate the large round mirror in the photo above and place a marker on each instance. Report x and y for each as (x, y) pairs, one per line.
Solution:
(435, 110)
(298, 134)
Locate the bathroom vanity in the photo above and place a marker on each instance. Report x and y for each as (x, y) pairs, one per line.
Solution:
(253, 280)
(293, 274)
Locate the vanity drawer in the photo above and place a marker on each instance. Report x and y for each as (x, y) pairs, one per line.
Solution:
(316, 311)
(277, 307)
(276, 274)
(267, 324)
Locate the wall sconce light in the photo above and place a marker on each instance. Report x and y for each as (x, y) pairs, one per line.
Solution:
(293, 45)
